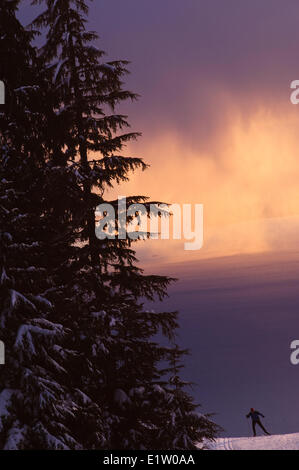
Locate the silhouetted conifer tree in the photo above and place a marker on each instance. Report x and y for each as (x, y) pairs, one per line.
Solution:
(84, 369)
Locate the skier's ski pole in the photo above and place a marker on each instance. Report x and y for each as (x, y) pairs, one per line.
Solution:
(248, 425)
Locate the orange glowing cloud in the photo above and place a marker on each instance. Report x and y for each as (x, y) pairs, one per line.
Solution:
(250, 177)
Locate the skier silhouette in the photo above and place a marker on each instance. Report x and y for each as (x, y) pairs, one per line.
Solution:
(255, 418)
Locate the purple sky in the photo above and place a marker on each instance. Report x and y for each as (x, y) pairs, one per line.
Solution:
(183, 52)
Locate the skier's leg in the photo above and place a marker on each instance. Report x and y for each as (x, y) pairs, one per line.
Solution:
(262, 427)
(253, 428)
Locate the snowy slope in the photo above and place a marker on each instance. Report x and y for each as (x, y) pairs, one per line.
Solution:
(278, 442)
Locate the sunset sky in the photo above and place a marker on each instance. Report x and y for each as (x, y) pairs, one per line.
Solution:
(219, 129)
(218, 126)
